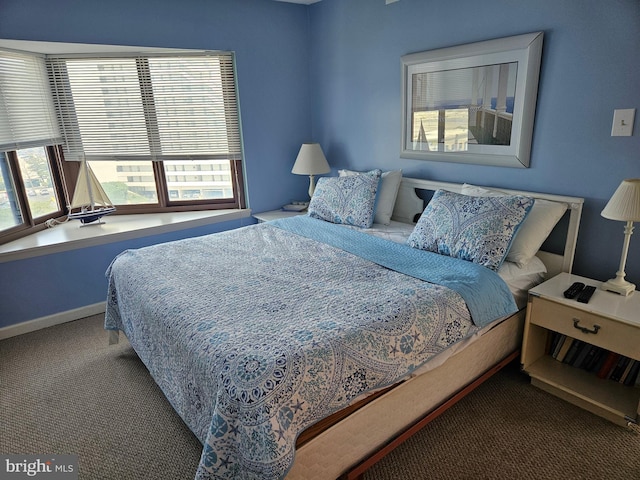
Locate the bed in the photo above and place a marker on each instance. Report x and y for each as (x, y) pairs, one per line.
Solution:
(307, 348)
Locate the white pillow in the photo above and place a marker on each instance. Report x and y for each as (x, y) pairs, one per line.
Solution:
(387, 194)
(521, 280)
(522, 276)
(535, 229)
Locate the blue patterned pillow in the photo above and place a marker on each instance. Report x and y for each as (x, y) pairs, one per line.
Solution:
(477, 229)
(347, 200)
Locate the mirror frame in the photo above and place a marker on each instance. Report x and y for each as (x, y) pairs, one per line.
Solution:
(526, 51)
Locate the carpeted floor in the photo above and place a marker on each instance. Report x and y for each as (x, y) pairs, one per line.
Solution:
(64, 390)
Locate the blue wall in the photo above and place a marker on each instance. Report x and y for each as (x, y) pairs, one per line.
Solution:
(270, 40)
(590, 67)
(330, 72)
(49, 284)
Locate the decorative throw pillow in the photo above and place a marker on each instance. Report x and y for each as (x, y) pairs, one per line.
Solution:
(477, 229)
(387, 194)
(347, 200)
(535, 229)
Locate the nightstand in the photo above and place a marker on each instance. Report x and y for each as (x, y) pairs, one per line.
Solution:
(275, 215)
(609, 322)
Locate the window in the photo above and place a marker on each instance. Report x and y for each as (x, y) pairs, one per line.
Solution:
(10, 212)
(30, 191)
(37, 179)
(177, 111)
(127, 183)
(160, 131)
(198, 181)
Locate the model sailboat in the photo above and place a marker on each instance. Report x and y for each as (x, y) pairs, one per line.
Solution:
(90, 202)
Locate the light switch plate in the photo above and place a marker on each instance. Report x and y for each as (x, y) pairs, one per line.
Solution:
(623, 122)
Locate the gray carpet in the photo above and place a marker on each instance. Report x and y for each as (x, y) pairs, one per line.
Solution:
(64, 390)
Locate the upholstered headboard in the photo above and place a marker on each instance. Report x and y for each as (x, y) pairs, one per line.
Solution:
(409, 204)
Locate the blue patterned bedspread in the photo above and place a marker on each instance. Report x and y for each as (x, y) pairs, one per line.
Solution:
(257, 333)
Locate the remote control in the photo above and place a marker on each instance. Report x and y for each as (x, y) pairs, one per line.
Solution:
(585, 294)
(573, 290)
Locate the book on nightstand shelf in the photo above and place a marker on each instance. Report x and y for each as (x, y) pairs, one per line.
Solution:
(620, 367)
(608, 365)
(571, 355)
(583, 351)
(601, 357)
(634, 374)
(556, 345)
(591, 358)
(603, 363)
(566, 346)
(618, 370)
(627, 371)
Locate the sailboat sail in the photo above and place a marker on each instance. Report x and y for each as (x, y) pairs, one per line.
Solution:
(89, 197)
(88, 191)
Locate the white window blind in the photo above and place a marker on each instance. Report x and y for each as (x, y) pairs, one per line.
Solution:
(178, 107)
(27, 115)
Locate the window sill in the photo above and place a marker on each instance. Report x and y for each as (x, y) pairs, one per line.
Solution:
(70, 236)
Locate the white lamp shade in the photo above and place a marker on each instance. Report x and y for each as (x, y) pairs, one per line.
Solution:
(625, 202)
(310, 160)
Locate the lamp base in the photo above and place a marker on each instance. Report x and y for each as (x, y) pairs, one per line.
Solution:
(312, 186)
(619, 286)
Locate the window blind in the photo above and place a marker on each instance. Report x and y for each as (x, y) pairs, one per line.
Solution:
(147, 107)
(27, 114)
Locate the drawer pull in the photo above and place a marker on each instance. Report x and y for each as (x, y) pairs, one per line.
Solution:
(576, 321)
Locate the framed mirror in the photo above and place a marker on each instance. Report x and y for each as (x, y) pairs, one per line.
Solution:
(472, 103)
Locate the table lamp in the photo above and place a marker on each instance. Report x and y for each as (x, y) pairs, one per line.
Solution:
(624, 205)
(310, 161)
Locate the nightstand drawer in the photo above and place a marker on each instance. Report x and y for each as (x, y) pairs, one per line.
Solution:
(611, 335)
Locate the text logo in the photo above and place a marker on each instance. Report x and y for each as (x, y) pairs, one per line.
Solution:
(45, 467)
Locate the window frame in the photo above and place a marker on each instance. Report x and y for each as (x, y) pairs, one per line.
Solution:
(64, 175)
(166, 204)
(31, 224)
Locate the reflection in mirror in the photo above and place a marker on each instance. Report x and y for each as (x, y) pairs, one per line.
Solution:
(452, 109)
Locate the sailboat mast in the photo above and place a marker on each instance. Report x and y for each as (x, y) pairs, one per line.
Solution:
(89, 189)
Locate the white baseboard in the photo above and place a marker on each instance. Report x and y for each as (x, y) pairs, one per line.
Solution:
(51, 320)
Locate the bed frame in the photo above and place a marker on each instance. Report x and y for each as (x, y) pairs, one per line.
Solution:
(351, 446)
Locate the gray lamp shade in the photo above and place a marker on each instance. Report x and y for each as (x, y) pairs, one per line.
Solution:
(625, 203)
(310, 160)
